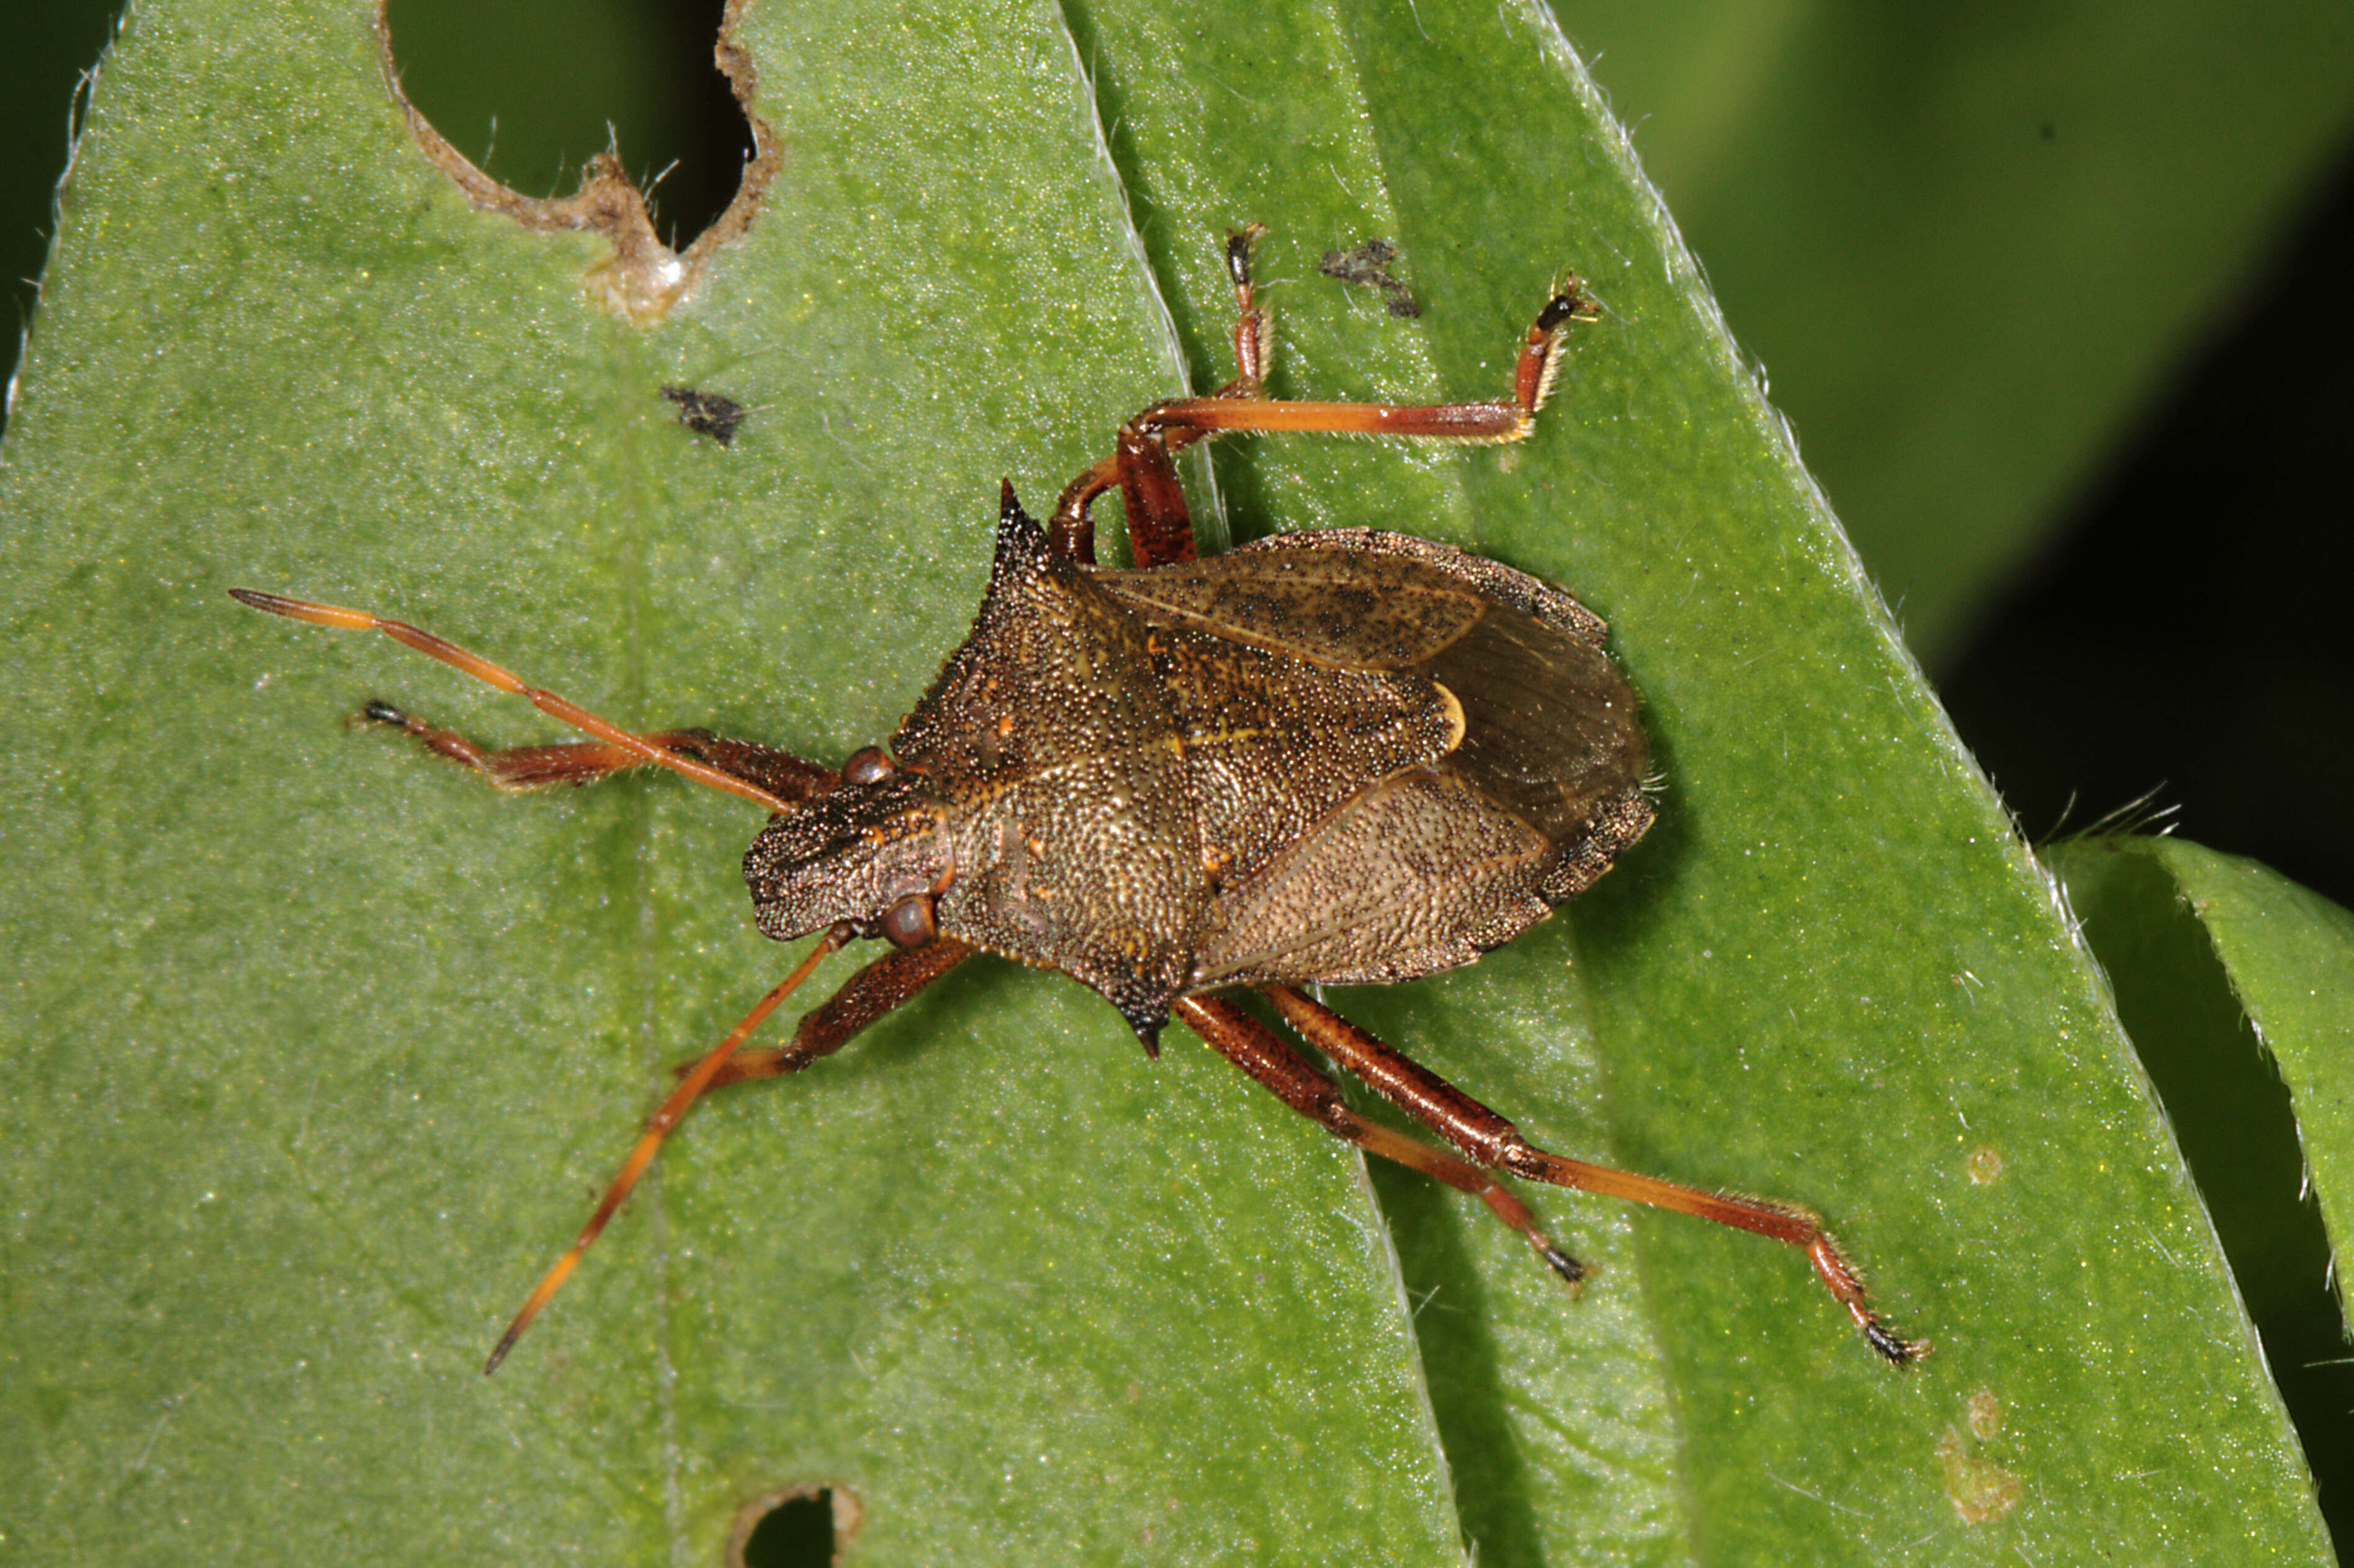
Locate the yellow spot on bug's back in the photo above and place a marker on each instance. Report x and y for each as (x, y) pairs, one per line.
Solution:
(1454, 710)
(1980, 1489)
(1984, 1167)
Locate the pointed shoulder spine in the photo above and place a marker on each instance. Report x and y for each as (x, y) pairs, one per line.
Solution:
(1021, 546)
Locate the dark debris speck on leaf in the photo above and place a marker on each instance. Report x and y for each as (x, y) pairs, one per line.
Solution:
(706, 413)
(1368, 267)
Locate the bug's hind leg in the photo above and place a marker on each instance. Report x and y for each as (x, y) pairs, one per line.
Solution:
(516, 769)
(1493, 1141)
(1260, 1052)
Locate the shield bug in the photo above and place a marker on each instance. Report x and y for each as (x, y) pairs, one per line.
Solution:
(1341, 756)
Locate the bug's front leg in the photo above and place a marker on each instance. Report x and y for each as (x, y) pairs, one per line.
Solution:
(795, 780)
(889, 982)
(1160, 523)
(866, 996)
(516, 769)
(1495, 1142)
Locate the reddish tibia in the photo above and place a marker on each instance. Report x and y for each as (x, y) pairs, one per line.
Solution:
(1494, 1142)
(690, 1088)
(645, 748)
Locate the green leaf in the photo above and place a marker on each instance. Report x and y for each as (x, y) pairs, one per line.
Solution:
(1972, 243)
(319, 1051)
(2233, 981)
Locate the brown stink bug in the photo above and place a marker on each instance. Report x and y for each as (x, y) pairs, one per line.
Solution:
(1332, 756)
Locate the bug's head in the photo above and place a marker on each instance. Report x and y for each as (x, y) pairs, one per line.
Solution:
(874, 852)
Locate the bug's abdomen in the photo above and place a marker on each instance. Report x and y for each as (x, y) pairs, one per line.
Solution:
(1270, 748)
(1425, 864)
(1418, 873)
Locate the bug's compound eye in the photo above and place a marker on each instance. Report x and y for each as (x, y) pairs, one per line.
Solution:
(868, 765)
(909, 923)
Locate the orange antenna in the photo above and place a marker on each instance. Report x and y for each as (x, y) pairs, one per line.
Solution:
(482, 670)
(697, 1079)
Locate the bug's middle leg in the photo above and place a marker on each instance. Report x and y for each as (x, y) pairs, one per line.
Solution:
(1160, 524)
(1494, 1142)
(1160, 530)
(1260, 1052)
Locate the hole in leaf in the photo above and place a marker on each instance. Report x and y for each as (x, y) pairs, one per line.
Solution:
(805, 1526)
(531, 90)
